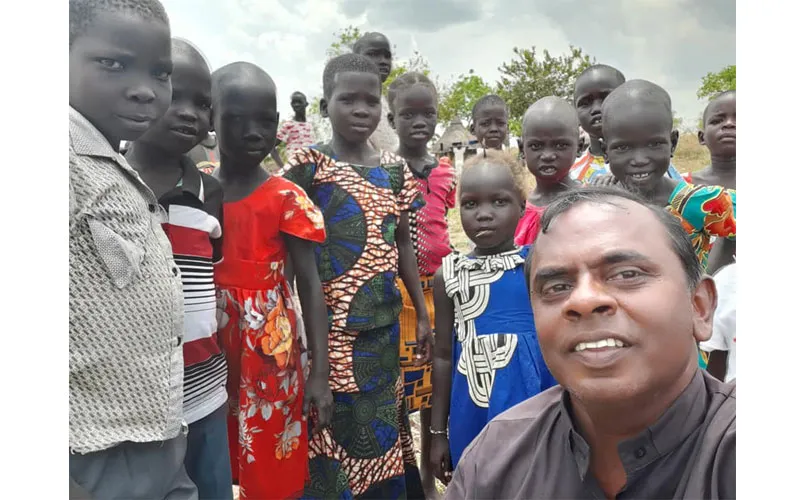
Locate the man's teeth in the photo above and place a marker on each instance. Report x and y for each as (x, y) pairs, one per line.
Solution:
(599, 344)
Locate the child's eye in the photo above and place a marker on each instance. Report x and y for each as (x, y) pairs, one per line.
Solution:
(655, 144)
(162, 75)
(111, 64)
(536, 146)
(621, 148)
(406, 115)
(501, 202)
(468, 204)
(561, 146)
(430, 114)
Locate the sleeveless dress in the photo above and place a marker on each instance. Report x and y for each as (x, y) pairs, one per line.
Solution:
(497, 362)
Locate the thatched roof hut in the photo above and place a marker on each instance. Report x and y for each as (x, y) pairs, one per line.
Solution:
(455, 136)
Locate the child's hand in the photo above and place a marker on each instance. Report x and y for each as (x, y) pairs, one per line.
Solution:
(318, 393)
(440, 458)
(604, 180)
(424, 342)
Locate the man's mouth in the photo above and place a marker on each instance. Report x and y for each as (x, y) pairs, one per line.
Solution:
(609, 343)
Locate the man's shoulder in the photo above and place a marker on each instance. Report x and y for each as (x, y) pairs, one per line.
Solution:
(530, 417)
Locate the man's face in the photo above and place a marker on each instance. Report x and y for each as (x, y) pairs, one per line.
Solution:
(615, 318)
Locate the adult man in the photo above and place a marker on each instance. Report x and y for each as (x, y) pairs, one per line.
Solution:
(376, 47)
(620, 302)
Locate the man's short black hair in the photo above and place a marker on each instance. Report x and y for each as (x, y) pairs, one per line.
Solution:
(346, 63)
(488, 100)
(718, 96)
(680, 242)
(83, 12)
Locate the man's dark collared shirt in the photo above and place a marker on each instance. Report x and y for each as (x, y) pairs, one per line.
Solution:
(534, 451)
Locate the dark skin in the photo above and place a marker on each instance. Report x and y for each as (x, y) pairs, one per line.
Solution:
(490, 125)
(119, 75)
(491, 206)
(550, 144)
(299, 104)
(719, 136)
(246, 121)
(376, 47)
(591, 90)
(414, 120)
(609, 272)
(354, 109)
(640, 144)
(157, 154)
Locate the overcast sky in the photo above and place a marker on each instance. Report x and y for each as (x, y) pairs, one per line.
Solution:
(671, 42)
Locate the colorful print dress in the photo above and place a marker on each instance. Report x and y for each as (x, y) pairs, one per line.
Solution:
(497, 362)
(362, 454)
(259, 332)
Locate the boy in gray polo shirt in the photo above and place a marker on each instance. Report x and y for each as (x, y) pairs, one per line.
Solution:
(126, 431)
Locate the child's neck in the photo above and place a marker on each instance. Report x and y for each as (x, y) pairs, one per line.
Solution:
(239, 180)
(723, 165)
(501, 248)
(595, 145)
(300, 117)
(360, 153)
(417, 157)
(661, 192)
(544, 193)
(160, 170)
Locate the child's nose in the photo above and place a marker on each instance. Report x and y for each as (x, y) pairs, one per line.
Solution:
(141, 93)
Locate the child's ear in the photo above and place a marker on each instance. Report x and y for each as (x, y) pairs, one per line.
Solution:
(674, 138)
(701, 137)
(390, 118)
(323, 108)
(472, 128)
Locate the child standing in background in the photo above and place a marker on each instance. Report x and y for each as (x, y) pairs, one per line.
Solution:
(550, 138)
(493, 361)
(413, 114)
(490, 122)
(267, 220)
(719, 136)
(296, 133)
(365, 196)
(376, 47)
(193, 203)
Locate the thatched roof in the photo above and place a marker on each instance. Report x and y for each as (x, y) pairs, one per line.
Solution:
(455, 135)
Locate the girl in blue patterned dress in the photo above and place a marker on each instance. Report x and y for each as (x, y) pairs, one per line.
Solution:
(492, 361)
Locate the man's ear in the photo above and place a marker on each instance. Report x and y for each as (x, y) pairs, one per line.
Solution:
(701, 137)
(390, 118)
(674, 138)
(323, 108)
(704, 303)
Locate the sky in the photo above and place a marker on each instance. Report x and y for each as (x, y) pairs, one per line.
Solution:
(673, 43)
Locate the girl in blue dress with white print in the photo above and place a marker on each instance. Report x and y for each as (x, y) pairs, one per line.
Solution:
(491, 360)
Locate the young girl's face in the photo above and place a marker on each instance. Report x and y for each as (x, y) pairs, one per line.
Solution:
(415, 116)
(354, 107)
(491, 125)
(491, 206)
(550, 147)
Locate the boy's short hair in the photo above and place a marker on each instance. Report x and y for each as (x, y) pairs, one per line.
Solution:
(358, 46)
(488, 100)
(562, 107)
(711, 101)
(605, 67)
(640, 90)
(83, 12)
(406, 81)
(502, 159)
(346, 63)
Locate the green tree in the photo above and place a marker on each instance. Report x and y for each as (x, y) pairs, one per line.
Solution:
(343, 41)
(528, 78)
(456, 99)
(714, 83)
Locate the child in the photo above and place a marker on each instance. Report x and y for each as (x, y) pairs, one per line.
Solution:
(550, 140)
(193, 202)
(490, 122)
(376, 47)
(495, 361)
(296, 133)
(637, 126)
(267, 220)
(365, 196)
(413, 113)
(126, 436)
(592, 87)
(721, 347)
(719, 136)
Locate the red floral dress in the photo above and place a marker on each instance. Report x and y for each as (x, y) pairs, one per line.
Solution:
(258, 326)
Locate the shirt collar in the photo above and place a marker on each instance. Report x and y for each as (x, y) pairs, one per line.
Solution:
(191, 181)
(673, 427)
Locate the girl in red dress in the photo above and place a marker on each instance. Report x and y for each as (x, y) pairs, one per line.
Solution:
(268, 220)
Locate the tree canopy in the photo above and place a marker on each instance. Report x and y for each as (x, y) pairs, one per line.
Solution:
(714, 83)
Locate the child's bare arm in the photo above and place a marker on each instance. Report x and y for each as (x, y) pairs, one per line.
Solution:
(315, 317)
(409, 273)
(442, 378)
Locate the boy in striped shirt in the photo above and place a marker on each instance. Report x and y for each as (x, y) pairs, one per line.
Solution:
(193, 204)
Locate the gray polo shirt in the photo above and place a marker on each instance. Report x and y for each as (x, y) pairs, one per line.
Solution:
(534, 451)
